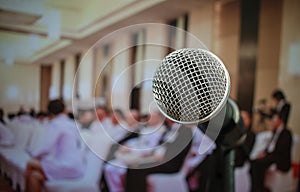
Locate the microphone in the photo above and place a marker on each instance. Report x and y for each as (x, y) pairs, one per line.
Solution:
(191, 86)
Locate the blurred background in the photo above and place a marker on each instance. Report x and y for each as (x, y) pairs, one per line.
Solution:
(44, 43)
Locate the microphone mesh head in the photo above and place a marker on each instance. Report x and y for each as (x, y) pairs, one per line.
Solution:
(191, 86)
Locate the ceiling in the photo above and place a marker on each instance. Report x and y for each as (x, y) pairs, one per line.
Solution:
(44, 31)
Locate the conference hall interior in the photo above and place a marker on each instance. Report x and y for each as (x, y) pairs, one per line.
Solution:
(78, 111)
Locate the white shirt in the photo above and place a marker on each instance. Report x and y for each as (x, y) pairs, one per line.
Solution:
(280, 105)
(6, 136)
(99, 126)
(60, 153)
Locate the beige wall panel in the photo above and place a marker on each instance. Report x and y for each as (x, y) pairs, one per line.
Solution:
(201, 25)
(268, 50)
(19, 85)
(226, 39)
(153, 57)
(290, 33)
(69, 81)
(55, 80)
(120, 89)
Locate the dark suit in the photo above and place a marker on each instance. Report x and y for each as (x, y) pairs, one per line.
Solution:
(111, 155)
(243, 151)
(175, 154)
(283, 112)
(281, 156)
(115, 146)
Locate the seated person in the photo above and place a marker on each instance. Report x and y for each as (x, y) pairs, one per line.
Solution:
(118, 127)
(133, 127)
(42, 117)
(6, 136)
(59, 157)
(85, 118)
(174, 151)
(278, 152)
(102, 120)
(135, 149)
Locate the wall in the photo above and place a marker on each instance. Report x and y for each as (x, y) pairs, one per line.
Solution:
(201, 23)
(157, 36)
(68, 85)
(290, 33)
(120, 89)
(55, 81)
(19, 85)
(85, 76)
(226, 39)
(268, 50)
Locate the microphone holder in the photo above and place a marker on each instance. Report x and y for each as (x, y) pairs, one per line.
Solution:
(222, 160)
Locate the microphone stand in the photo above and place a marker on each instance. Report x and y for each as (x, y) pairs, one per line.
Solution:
(229, 157)
(222, 160)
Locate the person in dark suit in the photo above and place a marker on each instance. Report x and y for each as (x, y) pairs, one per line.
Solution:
(171, 162)
(282, 107)
(278, 152)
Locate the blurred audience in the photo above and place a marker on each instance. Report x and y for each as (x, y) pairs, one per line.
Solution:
(118, 127)
(134, 150)
(134, 125)
(261, 121)
(277, 152)
(144, 144)
(86, 118)
(42, 117)
(282, 106)
(170, 159)
(102, 119)
(59, 157)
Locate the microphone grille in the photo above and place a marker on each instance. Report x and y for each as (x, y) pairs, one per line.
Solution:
(191, 85)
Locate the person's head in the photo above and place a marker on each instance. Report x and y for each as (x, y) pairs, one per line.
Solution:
(41, 116)
(246, 118)
(11, 116)
(277, 121)
(132, 117)
(144, 118)
(101, 112)
(21, 111)
(86, 116)
(56, 107)
(156, 118)
(117, 116)
(278, 95)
